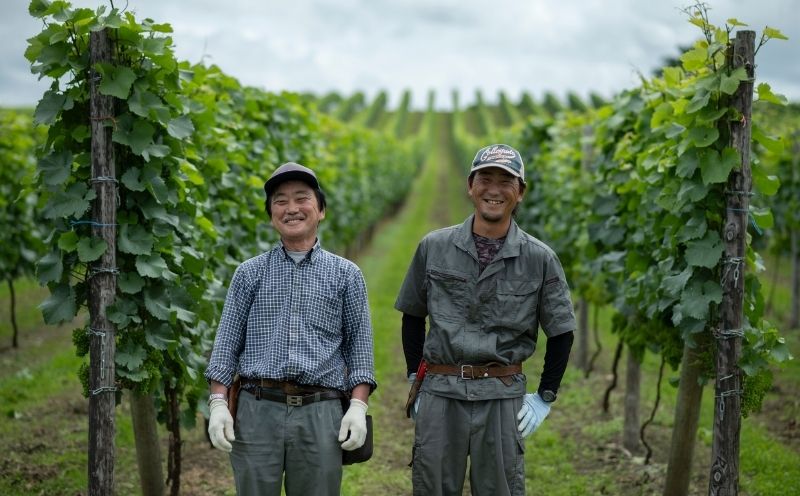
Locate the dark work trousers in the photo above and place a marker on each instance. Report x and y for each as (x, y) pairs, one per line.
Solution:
(449, 430)
(301, 441)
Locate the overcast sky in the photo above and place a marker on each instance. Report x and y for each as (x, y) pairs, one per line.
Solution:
(350, 45)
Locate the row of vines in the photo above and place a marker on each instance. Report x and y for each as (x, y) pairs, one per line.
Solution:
(192, 148)
(632, 196)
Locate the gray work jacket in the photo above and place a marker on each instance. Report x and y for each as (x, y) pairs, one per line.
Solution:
(480, 317)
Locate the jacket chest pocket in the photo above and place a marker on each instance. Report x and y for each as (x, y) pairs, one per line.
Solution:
(447, 292)
(517, 304)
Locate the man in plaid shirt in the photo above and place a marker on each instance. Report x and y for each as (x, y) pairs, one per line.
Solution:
(296, 328)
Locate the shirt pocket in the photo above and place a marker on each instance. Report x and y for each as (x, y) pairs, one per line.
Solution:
(446, 294)
(325, 311)
(517, 304)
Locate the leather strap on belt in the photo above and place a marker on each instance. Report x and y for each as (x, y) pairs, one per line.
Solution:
(293, 399)
(290, 393)
(475, 371)
(287, 387)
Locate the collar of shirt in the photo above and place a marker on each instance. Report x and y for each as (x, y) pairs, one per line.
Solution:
(511, 247)
(312, 255)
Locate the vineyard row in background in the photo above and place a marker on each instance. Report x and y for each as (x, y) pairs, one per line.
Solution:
(629, 192)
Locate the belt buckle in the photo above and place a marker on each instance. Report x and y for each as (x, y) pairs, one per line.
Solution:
(293, 400)
(471, 372)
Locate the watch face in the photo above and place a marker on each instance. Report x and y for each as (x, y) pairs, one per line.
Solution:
(548, 396)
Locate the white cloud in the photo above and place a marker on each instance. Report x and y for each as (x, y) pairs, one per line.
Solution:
(350, 45)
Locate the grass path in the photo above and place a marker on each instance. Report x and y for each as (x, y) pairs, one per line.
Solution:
(437, 200)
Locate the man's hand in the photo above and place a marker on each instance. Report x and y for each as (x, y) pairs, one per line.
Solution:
(354, 422)
(532, 414)
(220, 425)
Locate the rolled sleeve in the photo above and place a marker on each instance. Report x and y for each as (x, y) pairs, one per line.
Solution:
(557, 315)
(357, 348)
(412, 298)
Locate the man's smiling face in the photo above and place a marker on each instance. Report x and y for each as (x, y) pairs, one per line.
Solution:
(495, 193)
(296, 214)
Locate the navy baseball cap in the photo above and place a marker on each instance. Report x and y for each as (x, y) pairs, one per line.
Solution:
(502, 156)
(291, 171)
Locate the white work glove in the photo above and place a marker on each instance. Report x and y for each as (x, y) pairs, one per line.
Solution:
(415, 408)
(532, 414)
(354, 422)
(220, 425)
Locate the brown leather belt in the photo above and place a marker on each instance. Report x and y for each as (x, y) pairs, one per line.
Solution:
(287, 387)
(288, 392)
(475, 371)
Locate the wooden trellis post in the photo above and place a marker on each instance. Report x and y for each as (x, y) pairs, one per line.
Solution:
(724, 480)
(102, 280)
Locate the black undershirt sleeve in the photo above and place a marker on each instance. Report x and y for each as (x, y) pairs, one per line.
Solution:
(413, 341)
(555, 361)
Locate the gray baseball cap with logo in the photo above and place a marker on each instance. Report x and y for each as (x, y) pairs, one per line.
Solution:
(502, 156)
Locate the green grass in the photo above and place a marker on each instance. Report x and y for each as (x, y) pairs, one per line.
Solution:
(29, 385)
(549, 463)
(766, 466)
(28, 295)
(44, 431)
(781, 293)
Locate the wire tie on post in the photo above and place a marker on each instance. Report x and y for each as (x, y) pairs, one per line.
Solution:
(97, 332)
(740, 193)
(736, 261)
(103, 389)
(102, 333)
(728, 333)
(103, 117)
(93, 271)
(107, 179)
(751, 216)
(92, 223)
(104, 179)
(106, 118)
(724, 394)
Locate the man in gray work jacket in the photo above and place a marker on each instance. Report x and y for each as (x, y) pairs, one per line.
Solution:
(296, 328)
(486, 286)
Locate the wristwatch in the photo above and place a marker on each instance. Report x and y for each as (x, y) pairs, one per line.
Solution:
(548, 396)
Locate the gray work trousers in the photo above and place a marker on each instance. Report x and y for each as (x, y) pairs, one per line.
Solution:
(301, 441)
(448, 431)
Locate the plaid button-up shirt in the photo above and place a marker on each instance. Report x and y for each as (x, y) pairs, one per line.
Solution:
(306, 322)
